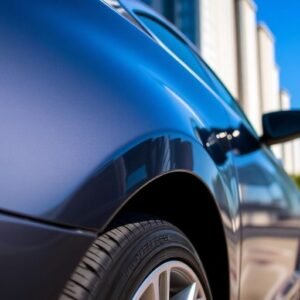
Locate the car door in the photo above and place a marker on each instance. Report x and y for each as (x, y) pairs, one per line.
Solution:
(270, 218)
(270, 214)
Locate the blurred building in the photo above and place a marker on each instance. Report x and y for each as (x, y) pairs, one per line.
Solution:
(240, 51)
(289, 156)
(248, 61)
(269, 77)
(218, 40)
(296, 158)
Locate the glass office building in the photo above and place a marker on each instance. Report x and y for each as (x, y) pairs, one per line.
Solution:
(182, 13)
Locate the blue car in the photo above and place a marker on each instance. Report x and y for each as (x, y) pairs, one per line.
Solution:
(128, 171)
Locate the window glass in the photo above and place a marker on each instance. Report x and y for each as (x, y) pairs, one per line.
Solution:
(176, 45)
(221, 90)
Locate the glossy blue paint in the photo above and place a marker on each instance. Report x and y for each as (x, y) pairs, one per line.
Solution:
(94, 107)
(71, 104)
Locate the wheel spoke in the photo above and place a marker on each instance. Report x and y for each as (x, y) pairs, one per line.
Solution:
(151, 293)
(156, 290)
(164, 285)
(172, 280)
(189, 293)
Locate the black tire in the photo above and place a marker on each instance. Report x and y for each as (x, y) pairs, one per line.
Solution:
(119, 260)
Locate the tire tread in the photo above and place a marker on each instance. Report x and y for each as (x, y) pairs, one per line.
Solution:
(102, 253)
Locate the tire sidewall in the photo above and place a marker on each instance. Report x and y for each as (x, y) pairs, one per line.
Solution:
(142, 255)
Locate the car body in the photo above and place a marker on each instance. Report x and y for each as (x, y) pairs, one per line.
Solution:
(99, 115)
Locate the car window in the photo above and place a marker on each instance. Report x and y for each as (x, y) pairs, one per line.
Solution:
(222, 91)
(182, 50)
(175, 44)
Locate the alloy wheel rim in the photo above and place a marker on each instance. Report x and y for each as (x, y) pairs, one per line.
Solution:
(173, 280)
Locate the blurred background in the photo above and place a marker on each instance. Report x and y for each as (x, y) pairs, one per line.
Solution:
(254, 48)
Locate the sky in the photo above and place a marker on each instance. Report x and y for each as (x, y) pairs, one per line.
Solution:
(283, 18)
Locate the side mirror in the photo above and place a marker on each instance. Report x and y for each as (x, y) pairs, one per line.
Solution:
(281, 126)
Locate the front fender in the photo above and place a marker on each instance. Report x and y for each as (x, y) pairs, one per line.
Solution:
(129, 169)
(72, 105)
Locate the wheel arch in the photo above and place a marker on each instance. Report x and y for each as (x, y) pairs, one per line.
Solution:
(179, 190)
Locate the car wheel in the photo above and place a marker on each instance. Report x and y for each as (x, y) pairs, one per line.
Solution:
(140, 260)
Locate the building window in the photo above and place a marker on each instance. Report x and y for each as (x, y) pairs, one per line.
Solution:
(185, 18)
(182, 13)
